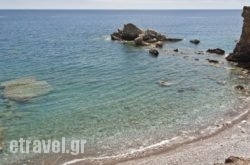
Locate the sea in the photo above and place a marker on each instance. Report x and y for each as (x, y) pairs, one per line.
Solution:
(110, 93)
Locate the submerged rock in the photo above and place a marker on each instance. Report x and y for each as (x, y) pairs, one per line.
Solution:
(216, 51)
(131, 32)
(213, 61)
(164, 83)
(24, 89)
(154, 52)
(196, 42)
(241, 52)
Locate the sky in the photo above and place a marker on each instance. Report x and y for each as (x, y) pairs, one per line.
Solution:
(123, 4)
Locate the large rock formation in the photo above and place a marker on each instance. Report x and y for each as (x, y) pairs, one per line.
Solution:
(130, 32)
(24, 89)
(241, 52)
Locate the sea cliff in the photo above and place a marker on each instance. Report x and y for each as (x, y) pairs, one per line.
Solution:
(241, 52)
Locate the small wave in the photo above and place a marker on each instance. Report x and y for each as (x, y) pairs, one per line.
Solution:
(106, 38)
(102, 38)
(165, 145)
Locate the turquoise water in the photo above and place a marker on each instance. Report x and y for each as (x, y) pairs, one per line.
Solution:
(106, 92)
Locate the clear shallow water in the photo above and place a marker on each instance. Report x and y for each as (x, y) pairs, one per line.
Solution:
(106, 92)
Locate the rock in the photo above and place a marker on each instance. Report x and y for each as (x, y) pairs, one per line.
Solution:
(159, 44)
(131, 32)
(233, 160)
(239, 87)
(241, 52)
(24, 89)
(181, 90)
(213, 61)
(116, 36)
(173, 39)
(153, 36)
(139, 41)
(176, 50)
(154, 52)
(216, 51)
(196, 42)
(164, 83)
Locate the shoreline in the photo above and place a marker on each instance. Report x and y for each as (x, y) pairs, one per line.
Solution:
(150, 154)
(158, 149)
(234, 141)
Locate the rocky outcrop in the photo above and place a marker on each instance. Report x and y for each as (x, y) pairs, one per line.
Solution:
(24, 89)
(233, 160)
(241, 52)
(216, 51)
(131, 32)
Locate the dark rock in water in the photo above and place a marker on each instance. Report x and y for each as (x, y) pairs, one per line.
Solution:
(131, 33)
(241, 52)
(173, 39)
(196, 59)
(239, 87)
(196, 42)
(213, 61)
(154, 52)
(233, 160)
(176, 50)
(216, 51)
(181, 90)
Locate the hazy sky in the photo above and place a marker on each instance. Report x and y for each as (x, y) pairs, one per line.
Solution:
(123, 4)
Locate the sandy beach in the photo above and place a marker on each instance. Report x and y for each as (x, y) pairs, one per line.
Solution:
(233, 141)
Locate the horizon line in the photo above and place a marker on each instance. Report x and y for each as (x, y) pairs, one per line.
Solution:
(114, 9)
